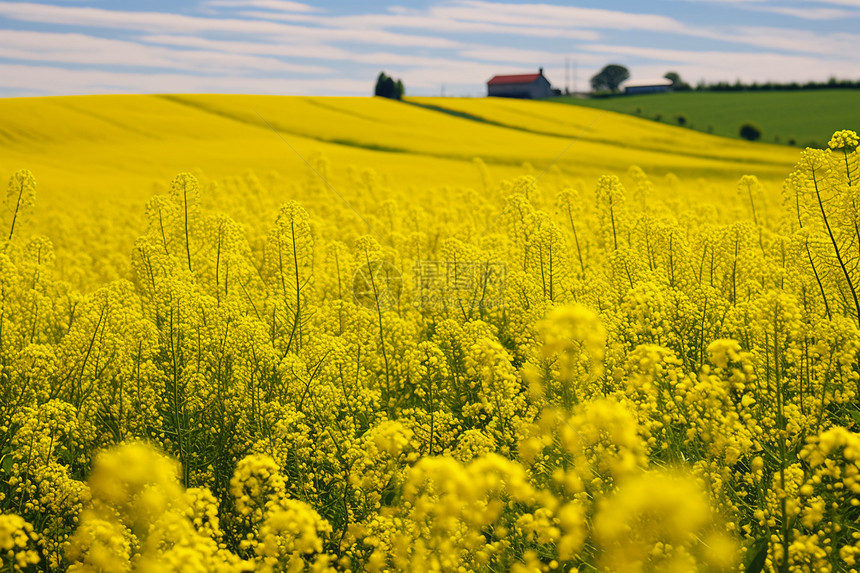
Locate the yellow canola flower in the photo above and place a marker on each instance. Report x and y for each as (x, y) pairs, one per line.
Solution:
(657, 521)
(575, 334)
(100, 545)
(137, 483)
(17, 541)
(256, 485)
(20, 200)
(291, 531)
(844, 140)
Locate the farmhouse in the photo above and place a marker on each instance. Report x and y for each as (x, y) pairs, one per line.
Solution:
(526, 86)
(650, 87)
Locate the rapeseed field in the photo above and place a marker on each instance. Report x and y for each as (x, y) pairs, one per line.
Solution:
(246, 333)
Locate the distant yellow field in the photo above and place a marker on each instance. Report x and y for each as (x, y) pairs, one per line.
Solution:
(118, 145)
(111, 153)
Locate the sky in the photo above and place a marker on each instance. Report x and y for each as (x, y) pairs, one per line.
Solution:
(437, 47)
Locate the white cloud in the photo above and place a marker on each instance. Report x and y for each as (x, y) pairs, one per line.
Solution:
(50, 80)
(803, 10)
(786, 39)
(307, 50)
(730, 66)
(302, 51)
(159, 22)
(279, 16)
(513, 55)
(535, 58)
(813, 13)
(278, 5)
(448, 23)
(93, 51)
(550, 15)
(729, 1)
(854, 3)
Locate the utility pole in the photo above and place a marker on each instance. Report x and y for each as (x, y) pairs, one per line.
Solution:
(574, 75)
(567, 75)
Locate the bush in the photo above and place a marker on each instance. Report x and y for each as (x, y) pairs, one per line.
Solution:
(750, 132)
(681, 119)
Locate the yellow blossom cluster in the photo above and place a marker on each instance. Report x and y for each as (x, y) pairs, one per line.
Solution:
(17, 552)
(540, 375)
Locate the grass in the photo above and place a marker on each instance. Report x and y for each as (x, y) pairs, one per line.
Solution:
(805, 117)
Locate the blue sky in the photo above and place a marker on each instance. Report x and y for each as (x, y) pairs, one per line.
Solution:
(338, 47)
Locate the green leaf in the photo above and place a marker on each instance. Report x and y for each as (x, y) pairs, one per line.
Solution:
(856, 415)
(756, 556)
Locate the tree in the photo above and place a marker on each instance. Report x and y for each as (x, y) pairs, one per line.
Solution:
(677, 83)
(388, 88)
(379, 90)
(751, 132)
(609, 78)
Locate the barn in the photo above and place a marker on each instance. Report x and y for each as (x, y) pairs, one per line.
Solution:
(660, 86)
(526, 86)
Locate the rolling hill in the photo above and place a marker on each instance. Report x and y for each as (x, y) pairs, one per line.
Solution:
(117, 146)
(802, 118)
(98, 159)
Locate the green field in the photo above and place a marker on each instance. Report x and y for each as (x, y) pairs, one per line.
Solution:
(788, 117)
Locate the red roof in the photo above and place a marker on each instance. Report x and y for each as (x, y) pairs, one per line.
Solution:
(516, 79)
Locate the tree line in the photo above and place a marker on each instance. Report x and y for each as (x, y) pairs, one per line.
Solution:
(832, 83)
(609, 79)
